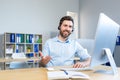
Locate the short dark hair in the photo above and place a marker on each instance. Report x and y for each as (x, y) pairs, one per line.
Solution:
(65, 18)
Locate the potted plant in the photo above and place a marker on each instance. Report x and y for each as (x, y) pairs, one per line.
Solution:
(28, 49)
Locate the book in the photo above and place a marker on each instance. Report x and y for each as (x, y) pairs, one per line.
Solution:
(67, 75)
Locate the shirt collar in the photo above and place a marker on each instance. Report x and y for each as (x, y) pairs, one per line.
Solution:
(66, 41)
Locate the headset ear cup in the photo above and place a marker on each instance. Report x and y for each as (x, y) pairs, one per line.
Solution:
(72, 29)
(58, 27)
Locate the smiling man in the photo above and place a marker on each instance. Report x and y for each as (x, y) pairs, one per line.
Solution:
(60, 50)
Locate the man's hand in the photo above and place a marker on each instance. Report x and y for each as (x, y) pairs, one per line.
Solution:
(44, 59)
(83, 64)
(80, 65)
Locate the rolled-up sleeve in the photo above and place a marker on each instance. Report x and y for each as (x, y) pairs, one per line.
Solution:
(82, 52)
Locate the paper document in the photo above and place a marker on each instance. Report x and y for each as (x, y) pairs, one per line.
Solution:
(50, 68)
(57, 75)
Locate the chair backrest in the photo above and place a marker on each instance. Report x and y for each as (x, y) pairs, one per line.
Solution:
(88, 44)
(18, 65)
(18, 56)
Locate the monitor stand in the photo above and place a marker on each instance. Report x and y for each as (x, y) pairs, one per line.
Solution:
(107, 52)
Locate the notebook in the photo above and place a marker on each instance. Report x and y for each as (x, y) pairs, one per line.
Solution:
(69, 75)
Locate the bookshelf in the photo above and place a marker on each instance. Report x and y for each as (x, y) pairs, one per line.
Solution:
(30, 44)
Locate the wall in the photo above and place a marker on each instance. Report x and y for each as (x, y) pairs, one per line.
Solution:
(34, 16)
(89, 13)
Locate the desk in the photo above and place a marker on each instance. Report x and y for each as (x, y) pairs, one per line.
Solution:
(41, 74)
(98, 76)
(24, 74)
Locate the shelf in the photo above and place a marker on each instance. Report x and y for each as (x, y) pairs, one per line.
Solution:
(30, 44)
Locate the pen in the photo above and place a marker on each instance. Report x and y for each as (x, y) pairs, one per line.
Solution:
(65, 72)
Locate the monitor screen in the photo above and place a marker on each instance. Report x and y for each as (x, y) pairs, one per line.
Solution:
(106, 35)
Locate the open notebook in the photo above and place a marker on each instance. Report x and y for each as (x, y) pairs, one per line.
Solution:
(69, 75)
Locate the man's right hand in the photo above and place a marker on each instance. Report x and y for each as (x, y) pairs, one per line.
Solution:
(44, 59)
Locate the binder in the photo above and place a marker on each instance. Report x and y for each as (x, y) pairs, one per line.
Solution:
(36, 48)
(12, 37)
(30, 38)
(27, 38)
(22, 38)
(17, 38)
(17, 49)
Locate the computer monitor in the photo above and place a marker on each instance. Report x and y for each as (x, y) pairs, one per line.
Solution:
(105, 40)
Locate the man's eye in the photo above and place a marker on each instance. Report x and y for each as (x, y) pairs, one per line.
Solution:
(70, 26)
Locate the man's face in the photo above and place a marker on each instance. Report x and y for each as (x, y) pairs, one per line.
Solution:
(66, 28)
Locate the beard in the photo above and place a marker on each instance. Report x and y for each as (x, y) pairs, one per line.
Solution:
(65, 33)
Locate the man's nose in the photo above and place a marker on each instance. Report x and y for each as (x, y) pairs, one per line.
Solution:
(68, 28)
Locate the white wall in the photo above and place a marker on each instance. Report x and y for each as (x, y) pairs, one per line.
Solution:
(34, 16)
(89, 12)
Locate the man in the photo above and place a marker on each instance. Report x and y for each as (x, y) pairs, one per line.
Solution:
(60, 51)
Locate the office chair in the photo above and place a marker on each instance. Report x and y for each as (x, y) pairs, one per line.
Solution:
(87, 44)
(20, 64)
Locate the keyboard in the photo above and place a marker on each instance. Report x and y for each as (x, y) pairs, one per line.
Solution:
(77, 69)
